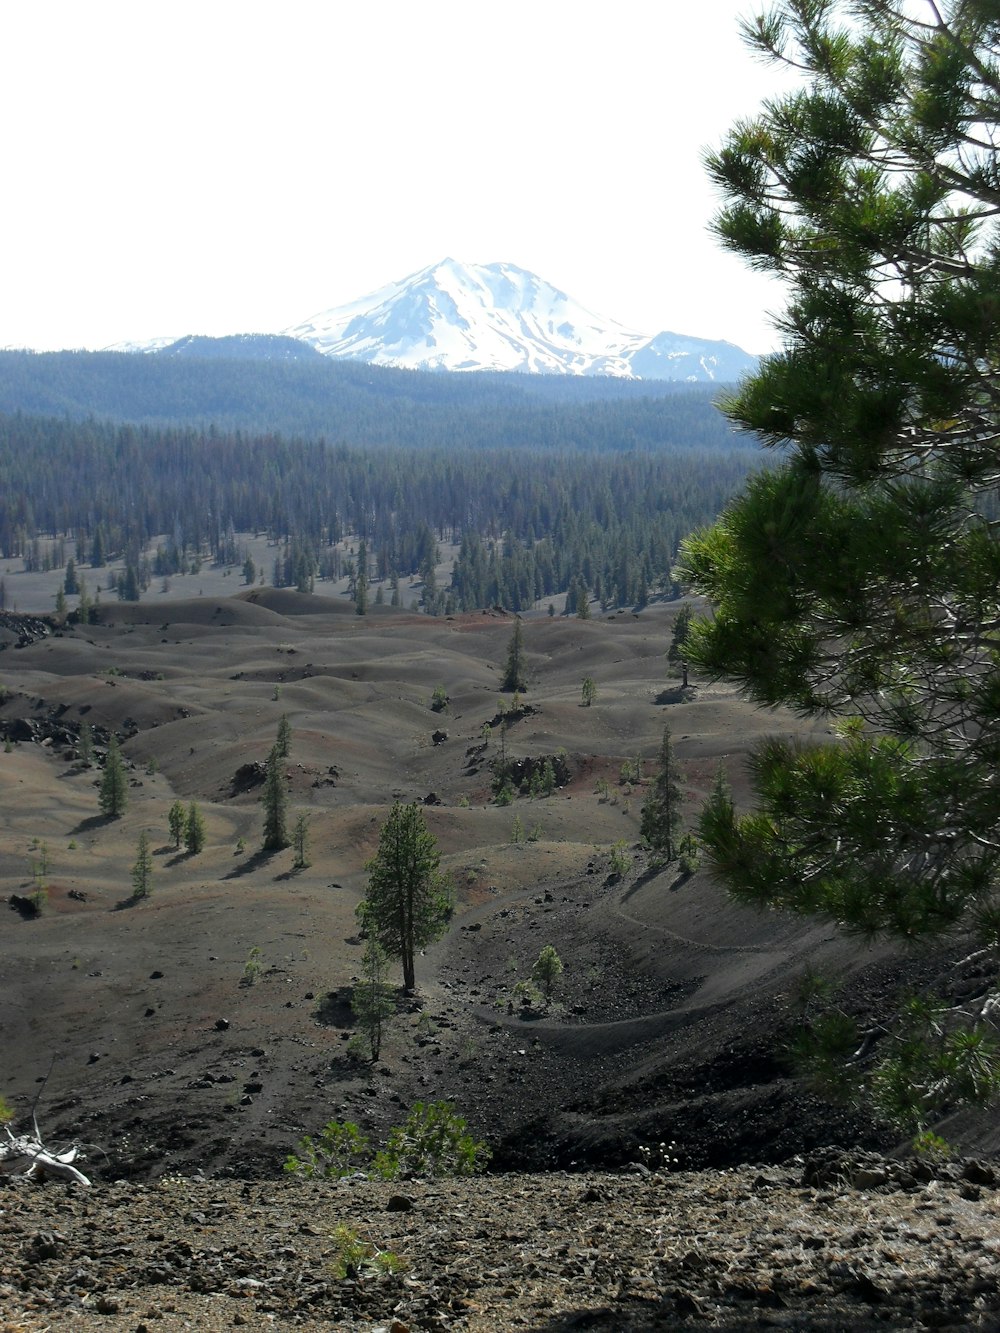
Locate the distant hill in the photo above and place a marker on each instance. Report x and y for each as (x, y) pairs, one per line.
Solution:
(233, 385)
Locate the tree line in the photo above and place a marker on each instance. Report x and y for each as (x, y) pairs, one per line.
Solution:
(530, 523)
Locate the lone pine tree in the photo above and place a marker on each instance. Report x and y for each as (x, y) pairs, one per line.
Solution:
(514, 671)
(194, 830)
(142, 870)
(859, 576)
(283, 741)
(275, 802)
(113, 792)
(660, 820)
(177, 822)
(408, 903)
(300, 841)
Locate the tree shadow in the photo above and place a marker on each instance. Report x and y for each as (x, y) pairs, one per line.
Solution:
(675, 694)
(334, 1008)
(91, 823)
(253, 862)
(133, 900)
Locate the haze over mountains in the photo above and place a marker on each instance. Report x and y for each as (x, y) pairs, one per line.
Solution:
(497, 317)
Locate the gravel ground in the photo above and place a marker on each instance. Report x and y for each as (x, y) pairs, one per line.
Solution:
(830, 1243)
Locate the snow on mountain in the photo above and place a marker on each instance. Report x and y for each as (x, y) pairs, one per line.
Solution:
(659, 358)
(241, 347)
(454, 316)
(149, 345)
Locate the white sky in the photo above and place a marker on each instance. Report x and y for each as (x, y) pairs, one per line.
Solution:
(226, 166)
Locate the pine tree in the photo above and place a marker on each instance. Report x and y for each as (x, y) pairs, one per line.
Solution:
(546, 971)
(129, 589)
(660, 821)
(681, 630)
(84, 604)
(177, 822)
(300, 841)
(85, 743)
(194, 830)
(859, 576)
(113, 792)
(275, 802)
(514, 672)
(408, 904)
(283, 742)
(142, 870)
(361, 581)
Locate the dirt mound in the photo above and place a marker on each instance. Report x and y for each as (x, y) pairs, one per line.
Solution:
(219, 613)
(290, 602)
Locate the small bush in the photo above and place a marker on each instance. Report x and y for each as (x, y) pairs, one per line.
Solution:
(356, 1257)
(527, 993)
(434, 1141)
(339, 1150)
(931, 1146)
(547, 970)
(252, 968)
(619, 859)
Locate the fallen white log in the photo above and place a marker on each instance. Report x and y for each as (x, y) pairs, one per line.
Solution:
(25, 1155)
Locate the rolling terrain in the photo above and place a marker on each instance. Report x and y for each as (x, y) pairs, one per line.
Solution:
(675, 1006)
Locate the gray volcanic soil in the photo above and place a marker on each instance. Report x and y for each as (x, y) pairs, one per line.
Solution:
(827, 1244)
(675, 1006)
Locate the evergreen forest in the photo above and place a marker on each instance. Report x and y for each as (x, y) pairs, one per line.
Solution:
(544, 484)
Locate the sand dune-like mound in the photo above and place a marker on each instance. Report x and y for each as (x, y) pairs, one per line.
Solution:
(674, 1008)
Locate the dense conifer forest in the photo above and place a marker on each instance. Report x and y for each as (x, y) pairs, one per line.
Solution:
(352, 403)
(546, 485)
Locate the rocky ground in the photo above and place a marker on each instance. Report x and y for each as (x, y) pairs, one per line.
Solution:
(835, 1242)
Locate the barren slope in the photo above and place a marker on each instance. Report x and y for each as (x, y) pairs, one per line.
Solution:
(674, 1007)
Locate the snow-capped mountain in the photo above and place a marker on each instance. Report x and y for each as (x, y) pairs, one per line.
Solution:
(454, 316)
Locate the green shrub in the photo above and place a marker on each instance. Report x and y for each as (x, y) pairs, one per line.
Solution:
(356, 1257)
(434, 1141)
(252, 967)
(339, 1150)
(619, 859)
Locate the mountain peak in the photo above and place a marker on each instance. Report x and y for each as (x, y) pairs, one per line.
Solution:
(454, 315)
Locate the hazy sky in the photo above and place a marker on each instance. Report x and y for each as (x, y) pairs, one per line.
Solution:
(233, 166)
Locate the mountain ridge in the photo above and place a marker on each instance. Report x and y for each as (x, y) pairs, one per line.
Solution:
(459, 317)
(453, 316)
